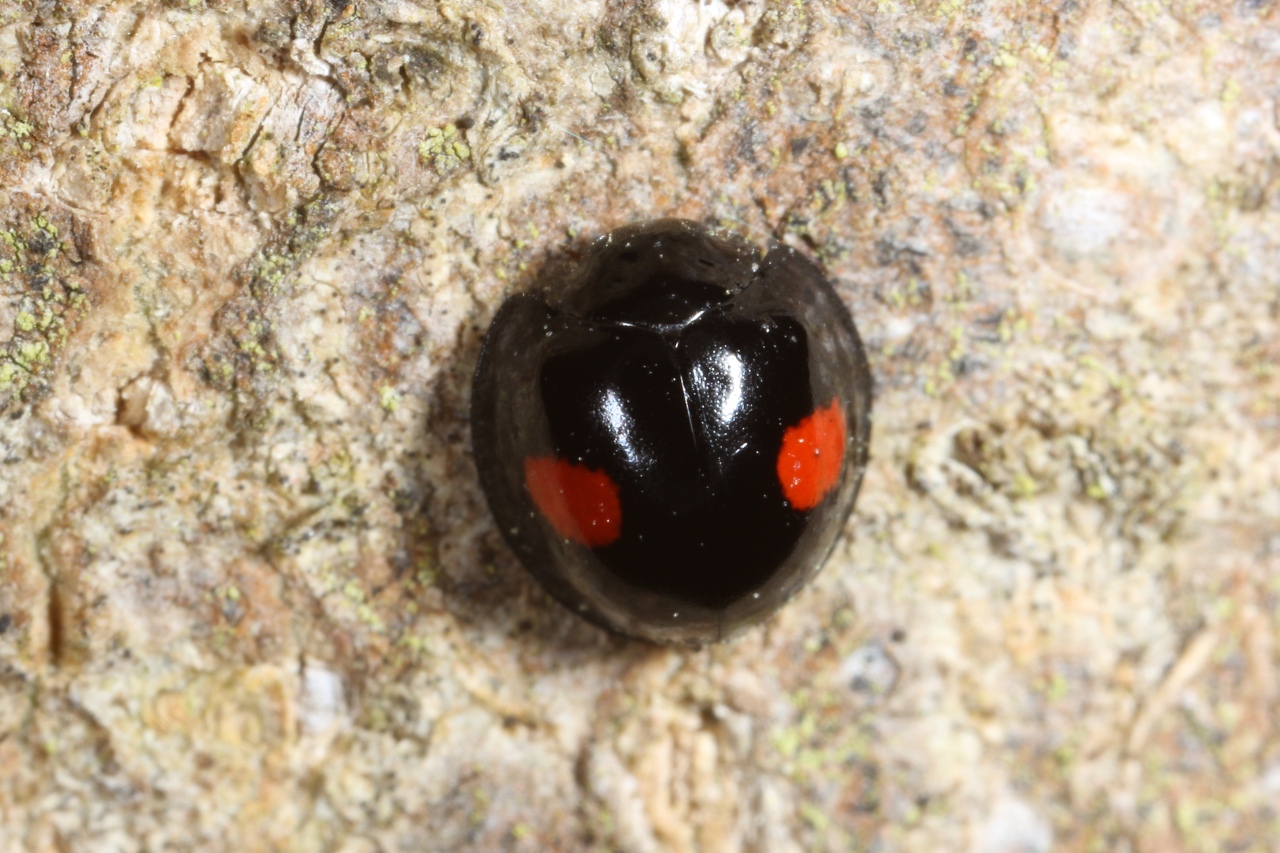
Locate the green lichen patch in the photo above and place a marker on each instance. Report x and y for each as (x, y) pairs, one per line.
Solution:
(444, 149)
(297, 238)
(19, 145)
(45, 287)
(15, 129)
(245, 358)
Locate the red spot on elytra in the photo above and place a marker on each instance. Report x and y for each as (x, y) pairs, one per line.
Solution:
(581, 504)
(811, 456)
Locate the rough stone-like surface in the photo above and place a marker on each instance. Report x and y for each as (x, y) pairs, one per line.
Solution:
(251, 599)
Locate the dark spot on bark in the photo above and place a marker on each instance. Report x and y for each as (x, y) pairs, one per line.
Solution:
(880, 188)
(424, 65)
(56, 628)
(966, 245)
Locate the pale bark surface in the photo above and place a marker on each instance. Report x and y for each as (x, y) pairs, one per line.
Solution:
(251, 598)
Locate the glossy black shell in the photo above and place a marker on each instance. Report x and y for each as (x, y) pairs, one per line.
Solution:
(672, 358)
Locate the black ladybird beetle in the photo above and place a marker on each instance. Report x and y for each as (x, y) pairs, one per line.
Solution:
(671, 431)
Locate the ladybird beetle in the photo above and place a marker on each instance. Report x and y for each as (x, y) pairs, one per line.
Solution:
(671, 430)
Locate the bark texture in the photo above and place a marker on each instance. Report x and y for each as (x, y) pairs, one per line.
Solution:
(250, 596)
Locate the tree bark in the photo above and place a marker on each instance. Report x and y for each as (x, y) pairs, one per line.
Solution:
(250, 595)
